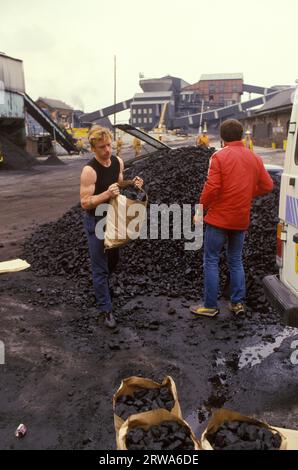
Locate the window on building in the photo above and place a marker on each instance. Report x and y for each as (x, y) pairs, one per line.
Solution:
(134, 110)
(150, 120)
(140, 120)
(139, 111)
(211, 97)
(211, 88)
(234, 87)
(222, 87)
(145, 110)
(150, 111)
(145, 120)
(134, 121)
(269, 130)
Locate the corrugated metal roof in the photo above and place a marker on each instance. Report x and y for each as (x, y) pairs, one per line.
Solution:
(280, 100)
(222, 76)
(55, 104)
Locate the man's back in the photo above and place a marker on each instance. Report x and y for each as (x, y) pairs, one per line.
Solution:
(236, 175)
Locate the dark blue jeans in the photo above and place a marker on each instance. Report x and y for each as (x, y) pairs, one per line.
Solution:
(214, 240)
(99, 265)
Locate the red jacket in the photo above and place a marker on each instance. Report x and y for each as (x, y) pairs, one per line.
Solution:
(236, 175)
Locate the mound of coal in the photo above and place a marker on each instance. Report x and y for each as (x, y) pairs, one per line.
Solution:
(168, 435)
(53, 160)
(236, 435)
(15, 157)
(156, 266)
(144, 399)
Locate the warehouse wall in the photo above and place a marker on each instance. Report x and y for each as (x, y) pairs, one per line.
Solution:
(12, 106)
(269, 128)
(12, 73)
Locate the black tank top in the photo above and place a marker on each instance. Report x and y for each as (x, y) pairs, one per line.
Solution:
(105, 176)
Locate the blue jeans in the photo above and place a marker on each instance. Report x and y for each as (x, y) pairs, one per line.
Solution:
(99, 265)
(214, 241)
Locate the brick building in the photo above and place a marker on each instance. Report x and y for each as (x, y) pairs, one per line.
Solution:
(59, 111)
(214, 90)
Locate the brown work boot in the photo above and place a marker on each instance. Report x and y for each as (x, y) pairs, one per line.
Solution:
(238, 308)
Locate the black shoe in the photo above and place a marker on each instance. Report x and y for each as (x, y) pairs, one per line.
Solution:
(109, 321)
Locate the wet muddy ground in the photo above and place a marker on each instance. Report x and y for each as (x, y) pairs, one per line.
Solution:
(62, 365)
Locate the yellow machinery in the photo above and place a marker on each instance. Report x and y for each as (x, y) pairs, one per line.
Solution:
(78, 132)
(161, 128)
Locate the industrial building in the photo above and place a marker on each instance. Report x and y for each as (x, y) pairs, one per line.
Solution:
(269, 124)
(60, 112)
(159, 101)
(15, 106)
(212, 91)
(173, 103)
(12, 115)
(146, 108)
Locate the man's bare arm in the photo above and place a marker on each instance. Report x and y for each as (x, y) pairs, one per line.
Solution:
(88, 199)
(137, 180)
(120, 179)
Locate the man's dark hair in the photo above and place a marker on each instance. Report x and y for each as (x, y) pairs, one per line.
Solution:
(231, 130)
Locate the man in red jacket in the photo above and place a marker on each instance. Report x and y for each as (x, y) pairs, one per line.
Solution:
(236, 175)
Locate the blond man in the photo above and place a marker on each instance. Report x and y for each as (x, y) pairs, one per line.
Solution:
(99, 184)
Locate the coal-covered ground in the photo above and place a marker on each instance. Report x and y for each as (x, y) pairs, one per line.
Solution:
(62, 365)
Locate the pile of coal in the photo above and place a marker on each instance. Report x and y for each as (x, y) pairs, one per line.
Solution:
(156, 266)
(240, 435)
(169, 435)
(144, 399)
(13, 153)
(133, 193)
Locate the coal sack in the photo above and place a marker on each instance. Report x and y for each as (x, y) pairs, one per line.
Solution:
(169, 435)
(241, 435)
(144, 399)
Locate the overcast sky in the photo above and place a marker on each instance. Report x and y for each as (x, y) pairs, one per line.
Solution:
(68, 46)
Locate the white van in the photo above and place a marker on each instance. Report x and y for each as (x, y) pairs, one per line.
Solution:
(282, 290)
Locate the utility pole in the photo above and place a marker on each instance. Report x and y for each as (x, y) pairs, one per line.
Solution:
(115, 70)
(201, 117)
